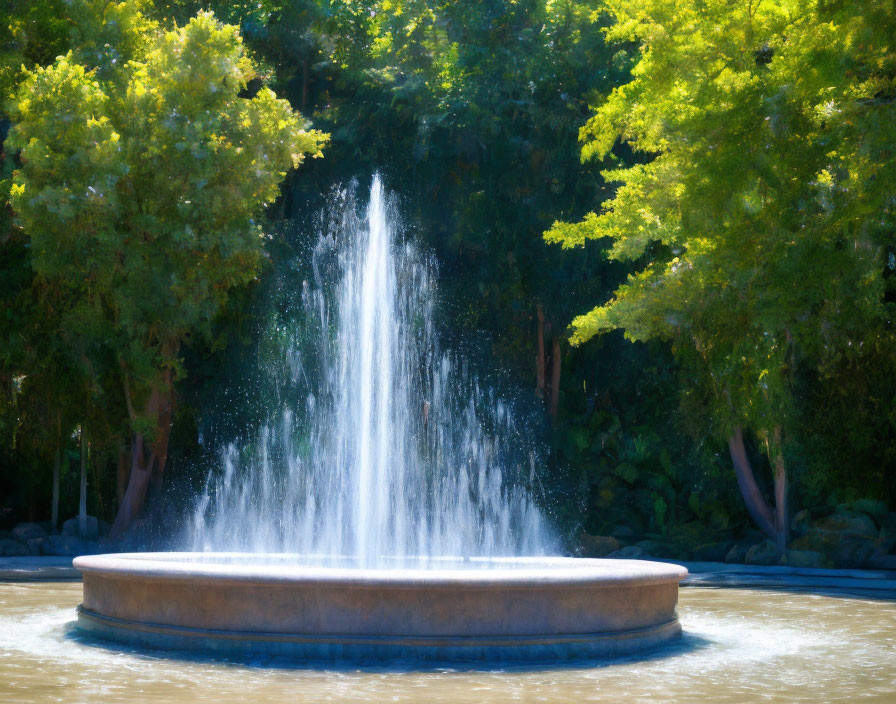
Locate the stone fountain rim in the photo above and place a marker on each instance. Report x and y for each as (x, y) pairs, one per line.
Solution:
(555, 572)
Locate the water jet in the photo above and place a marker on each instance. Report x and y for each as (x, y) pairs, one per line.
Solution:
(388, 513)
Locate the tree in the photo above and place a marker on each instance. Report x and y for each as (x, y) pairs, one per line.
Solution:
(144, 165)
(762, 214)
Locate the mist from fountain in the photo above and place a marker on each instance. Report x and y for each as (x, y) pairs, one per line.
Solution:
(394, 452)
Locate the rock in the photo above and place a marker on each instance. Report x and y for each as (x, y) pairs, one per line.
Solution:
(622, 532)
(34, 545)
(629, 552)
(764, 553)
(888, 523)
(801, 523)
(68, 545)
(10, 547)
(598, 545)
(737, 554)
(27, 531)
(805, 558)
(712, 552)
(70, 528)
(845, 548)
(854, 552)
(886, 542)
(651, 547)
(822, 541)
(882, 562)
(876, 509)
(848, 538)
(851, 523)
(888, 531)
(138, 537)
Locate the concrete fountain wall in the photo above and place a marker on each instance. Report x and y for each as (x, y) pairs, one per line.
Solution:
(520, 609)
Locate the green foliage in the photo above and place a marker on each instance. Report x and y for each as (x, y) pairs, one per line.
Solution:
(760, 222)
(751, 230)
(30, 33)
(144, 165)
(139, 192)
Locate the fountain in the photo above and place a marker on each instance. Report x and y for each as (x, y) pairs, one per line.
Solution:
(390, 515)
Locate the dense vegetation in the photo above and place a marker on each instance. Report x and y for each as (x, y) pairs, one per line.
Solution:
(717, 178)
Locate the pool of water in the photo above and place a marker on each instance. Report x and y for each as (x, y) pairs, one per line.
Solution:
(739, 646)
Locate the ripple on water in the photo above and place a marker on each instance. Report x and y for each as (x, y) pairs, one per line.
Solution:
(739, 645)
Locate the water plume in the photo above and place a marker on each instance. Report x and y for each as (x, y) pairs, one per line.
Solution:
(395, 451)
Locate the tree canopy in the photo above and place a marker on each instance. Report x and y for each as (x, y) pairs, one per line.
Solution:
(719, 176)
(144, 167)
(761, 215)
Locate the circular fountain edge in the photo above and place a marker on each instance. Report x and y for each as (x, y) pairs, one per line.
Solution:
(563, 608)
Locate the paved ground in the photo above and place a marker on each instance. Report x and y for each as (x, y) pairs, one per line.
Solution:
(878, 584)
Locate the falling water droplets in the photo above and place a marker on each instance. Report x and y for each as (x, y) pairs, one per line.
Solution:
(395, 450)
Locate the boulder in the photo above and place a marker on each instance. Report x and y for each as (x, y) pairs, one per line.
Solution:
(629, 552)
(27, 531)
(736, 554)
(652, 547)
(805, 558)
(70, 528)
(10, 547)
(850, 522)
(882, 562)
(822, 541)
(888, 530)
(764, 553)
(622, 532)
(854, 552)
(138, 538)
(597, 545)
(888, 523)
(712, 552)
(876, 509)
(68, 545)
(801, 523)
(849, 539)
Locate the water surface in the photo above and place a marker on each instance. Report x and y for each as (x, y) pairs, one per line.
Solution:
(740, 646)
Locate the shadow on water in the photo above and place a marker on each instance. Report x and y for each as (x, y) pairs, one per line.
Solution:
(688, 643)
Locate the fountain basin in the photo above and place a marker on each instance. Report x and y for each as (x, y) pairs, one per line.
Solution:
(518, 609)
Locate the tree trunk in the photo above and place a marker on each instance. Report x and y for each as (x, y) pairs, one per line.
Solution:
(773, 524)
(555, 378)
(132, 502)
(539, 358)
(780, 472)
(82, 501)
(54, 513)
(121, 473)
(147, 462)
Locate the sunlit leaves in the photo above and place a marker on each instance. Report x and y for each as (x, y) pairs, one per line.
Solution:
(760, 215)
(142, 180)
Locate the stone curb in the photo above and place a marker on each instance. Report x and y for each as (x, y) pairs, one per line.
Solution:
(37, 569)
(879, 584)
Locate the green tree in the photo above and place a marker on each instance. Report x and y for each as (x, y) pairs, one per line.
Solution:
(144, 166)
(762, 217)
